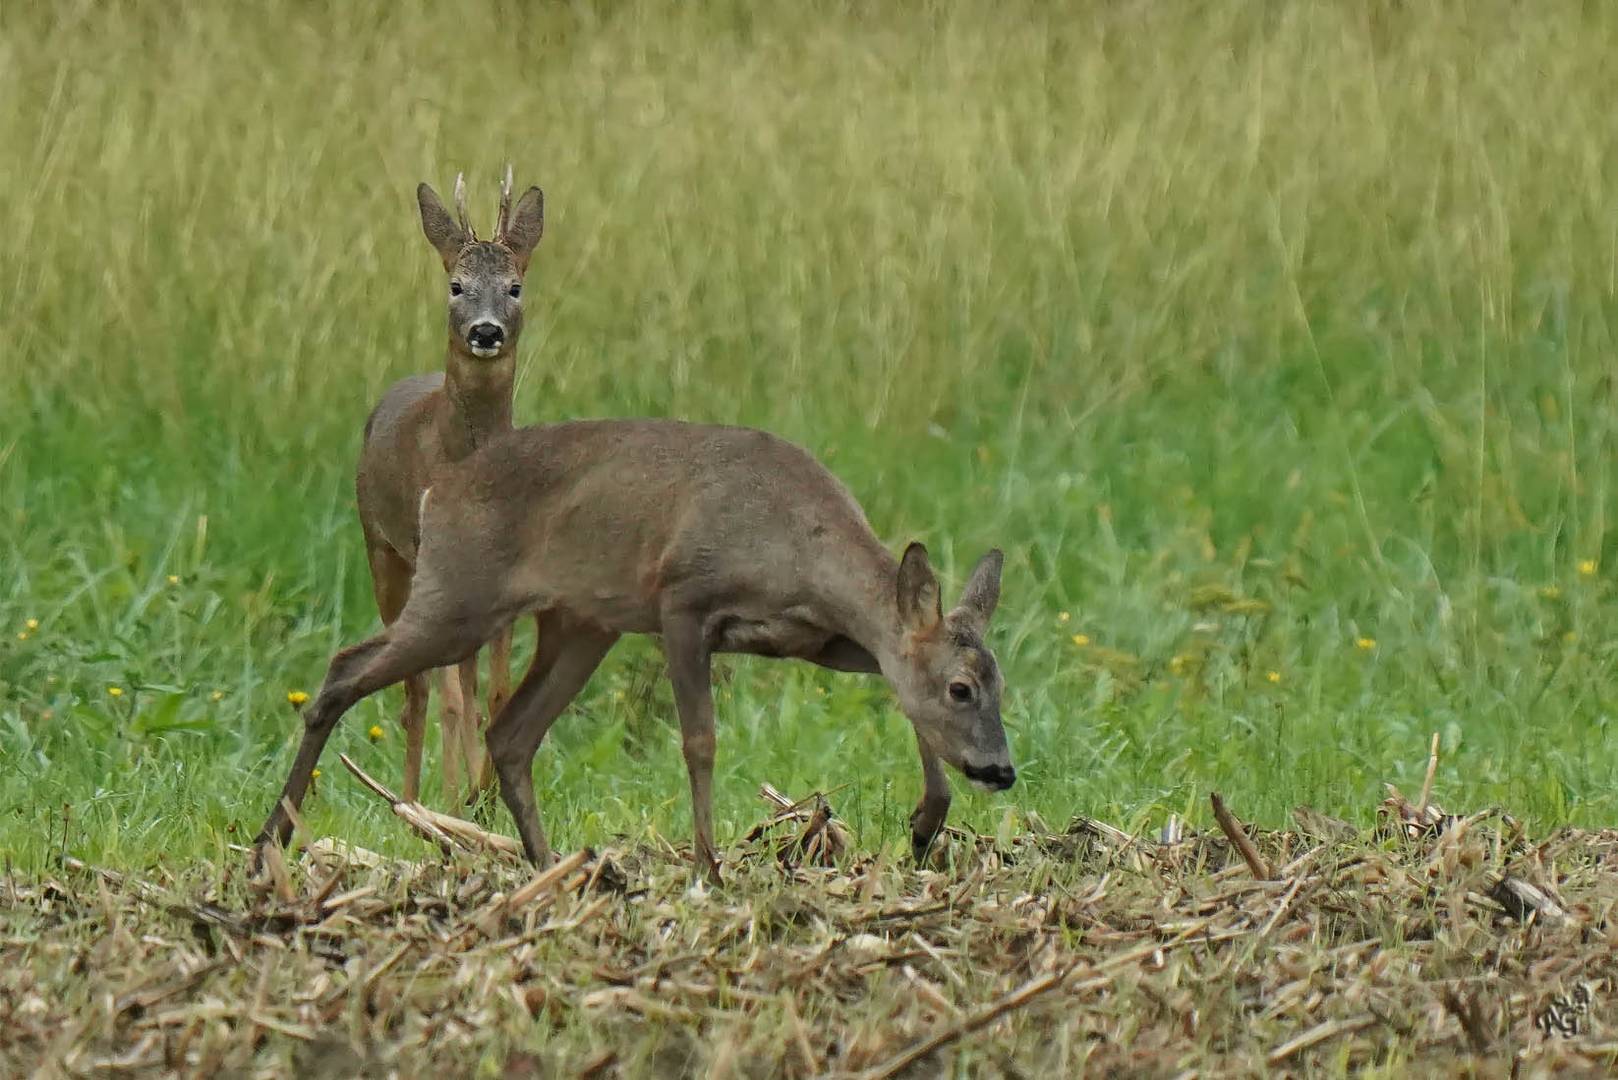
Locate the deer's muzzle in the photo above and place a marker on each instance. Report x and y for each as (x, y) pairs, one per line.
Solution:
(993, 777)
(485, 338)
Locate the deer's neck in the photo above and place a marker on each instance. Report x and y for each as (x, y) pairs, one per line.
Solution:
(477, 402)
(862, 598)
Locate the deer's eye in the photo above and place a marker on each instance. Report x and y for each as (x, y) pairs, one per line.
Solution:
(960, 691)
(516, 291)
(455, 288)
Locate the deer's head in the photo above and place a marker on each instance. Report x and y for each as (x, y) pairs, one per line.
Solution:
(485, 276)
(947, 679)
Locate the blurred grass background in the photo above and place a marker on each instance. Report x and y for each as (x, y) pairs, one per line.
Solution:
(1272, 341)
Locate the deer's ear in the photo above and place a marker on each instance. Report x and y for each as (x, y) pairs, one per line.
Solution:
(919, 606)
(526, 227)
(442, 233)
(982, 592)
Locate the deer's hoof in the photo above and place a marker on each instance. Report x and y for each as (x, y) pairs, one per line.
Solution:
(258, 863)
(708, 865)
(926, 848)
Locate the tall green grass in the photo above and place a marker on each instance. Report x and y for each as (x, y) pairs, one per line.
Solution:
(1254, 333)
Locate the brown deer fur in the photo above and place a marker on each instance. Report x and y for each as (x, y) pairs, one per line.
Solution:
(426, 420)
(718, 539)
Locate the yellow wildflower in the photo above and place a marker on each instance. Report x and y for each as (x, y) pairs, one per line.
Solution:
(1365, 644)
(217, 695)
(1587, 567)
(315, 775)
(1550, 592)
(174, 579)
(1273, 676)
(1063, 616)
(22, 635)
(1081, 640)
(116, 691)
(296, 697)
(32, 624)
(375, 733)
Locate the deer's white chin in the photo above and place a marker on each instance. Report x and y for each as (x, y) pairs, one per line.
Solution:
(483, 352)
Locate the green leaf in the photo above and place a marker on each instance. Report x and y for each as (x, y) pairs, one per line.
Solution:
(160, 715)
(100, 722)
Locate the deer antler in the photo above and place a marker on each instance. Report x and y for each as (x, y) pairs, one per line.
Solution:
(503, 220)
(460, 206)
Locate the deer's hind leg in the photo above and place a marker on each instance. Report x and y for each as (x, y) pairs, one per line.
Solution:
(427, 634)
(390, 583)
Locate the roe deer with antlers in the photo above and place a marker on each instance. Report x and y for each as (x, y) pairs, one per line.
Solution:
(718, 539)
(426, 420)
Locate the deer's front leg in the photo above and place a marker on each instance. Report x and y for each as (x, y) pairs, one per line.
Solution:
(562, 665)
(471, 733)
(499, 673)
(499, 695)
(690, 670)
(452, 710)
(414, 722)
(927, 821)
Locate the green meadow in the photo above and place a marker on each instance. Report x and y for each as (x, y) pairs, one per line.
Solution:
(1274, 343)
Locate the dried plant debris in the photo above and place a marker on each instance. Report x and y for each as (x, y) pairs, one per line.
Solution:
(805, 832)
(1439, 943)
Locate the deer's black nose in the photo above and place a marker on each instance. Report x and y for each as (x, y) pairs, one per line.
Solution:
(485, 335)
(998, 777)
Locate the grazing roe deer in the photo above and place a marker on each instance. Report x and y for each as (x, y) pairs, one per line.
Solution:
(426, 420)
(719, 539)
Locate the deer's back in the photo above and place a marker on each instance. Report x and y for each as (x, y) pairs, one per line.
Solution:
(610, 517)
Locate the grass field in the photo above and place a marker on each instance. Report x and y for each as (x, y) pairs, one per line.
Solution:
(1273, 343)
